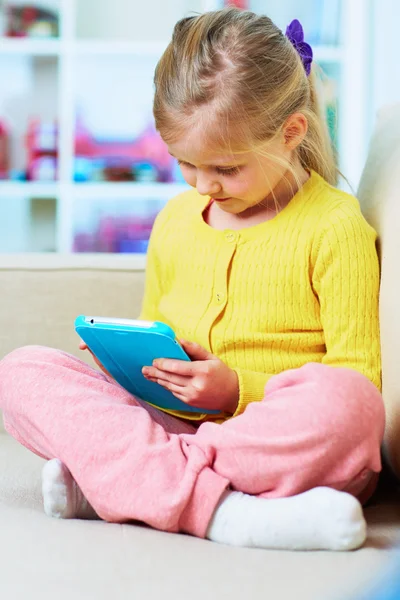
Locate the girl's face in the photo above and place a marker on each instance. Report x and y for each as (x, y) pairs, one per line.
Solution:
(236, 182)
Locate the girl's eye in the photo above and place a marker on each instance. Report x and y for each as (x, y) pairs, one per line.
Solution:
(230, 171)
(220, 170)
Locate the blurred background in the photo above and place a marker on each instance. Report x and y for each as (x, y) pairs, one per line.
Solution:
(82, 168)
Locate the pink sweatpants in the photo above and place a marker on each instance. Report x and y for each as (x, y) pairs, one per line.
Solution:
(316, 426)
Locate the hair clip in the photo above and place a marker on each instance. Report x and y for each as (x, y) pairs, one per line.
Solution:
(295, 33)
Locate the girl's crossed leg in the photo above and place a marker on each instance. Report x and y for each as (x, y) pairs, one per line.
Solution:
(317, 427)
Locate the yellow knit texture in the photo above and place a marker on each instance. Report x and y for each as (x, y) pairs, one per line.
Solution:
(302, 287)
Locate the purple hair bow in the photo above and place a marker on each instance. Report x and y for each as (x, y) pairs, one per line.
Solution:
(295, 33)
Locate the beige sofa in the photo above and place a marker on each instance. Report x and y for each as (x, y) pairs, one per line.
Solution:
(46, 558)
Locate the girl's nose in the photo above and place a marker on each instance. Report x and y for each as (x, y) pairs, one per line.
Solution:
(206, 186)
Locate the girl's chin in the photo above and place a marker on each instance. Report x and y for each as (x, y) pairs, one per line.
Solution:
(228, 208)
(234, 207)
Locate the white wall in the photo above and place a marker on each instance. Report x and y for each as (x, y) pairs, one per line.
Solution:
(385, 76)
(131, 19)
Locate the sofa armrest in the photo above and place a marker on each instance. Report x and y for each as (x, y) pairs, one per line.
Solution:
(379, 194)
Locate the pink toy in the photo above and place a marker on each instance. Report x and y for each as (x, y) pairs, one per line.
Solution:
(148, 147)
(41, 145)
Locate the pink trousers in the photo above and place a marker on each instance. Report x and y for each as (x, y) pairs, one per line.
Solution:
(316, 426)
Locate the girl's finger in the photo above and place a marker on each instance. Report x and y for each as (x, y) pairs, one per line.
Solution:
(152, 373)
(178, 367)
(175, 389)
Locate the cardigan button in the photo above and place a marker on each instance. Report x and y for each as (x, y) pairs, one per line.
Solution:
(220, 297)
(230, 237)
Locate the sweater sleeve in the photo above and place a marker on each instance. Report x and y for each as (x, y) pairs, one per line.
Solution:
(345, 279)
(251, 388)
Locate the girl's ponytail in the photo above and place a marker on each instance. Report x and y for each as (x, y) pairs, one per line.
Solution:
(316, 151)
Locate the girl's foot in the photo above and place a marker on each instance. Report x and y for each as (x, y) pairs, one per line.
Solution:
(62, 497)
(320, 519)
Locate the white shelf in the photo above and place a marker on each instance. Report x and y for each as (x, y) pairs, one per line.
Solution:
(89, 47)
(28, 190)
(94, 191)
(130, 191)
(30, 47)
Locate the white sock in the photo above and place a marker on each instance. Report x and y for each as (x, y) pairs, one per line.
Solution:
(320, 519)
(62, 497)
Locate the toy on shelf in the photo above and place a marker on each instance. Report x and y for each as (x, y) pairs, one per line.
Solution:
(144, 159)
(4, 151)
(30, 20)
(41, 145)
(113, 229)
(243, 4)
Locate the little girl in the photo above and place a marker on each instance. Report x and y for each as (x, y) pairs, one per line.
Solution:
(272, 275)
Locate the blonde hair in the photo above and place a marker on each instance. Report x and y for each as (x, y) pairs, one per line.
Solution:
(241, 75)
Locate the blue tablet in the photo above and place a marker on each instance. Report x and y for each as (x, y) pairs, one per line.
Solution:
(125, 346)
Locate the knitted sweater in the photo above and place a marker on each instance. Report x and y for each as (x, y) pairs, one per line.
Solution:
(301, 287)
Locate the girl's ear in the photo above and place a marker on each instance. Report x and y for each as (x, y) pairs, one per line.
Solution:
(295, 130)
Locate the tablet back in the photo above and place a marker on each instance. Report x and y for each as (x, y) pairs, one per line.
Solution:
(125, 346)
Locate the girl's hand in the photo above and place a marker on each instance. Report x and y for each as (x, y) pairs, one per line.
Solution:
(83, 346)
(206, 382)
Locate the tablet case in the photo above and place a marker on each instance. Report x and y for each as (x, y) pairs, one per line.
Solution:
(125, 346)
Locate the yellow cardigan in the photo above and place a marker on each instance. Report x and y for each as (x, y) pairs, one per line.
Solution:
(302, 287)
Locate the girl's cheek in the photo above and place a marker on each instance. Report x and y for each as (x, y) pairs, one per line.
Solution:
(238, 188)
(190, 180)
(189, 176)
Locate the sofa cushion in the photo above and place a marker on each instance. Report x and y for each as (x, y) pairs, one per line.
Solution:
(49, 558)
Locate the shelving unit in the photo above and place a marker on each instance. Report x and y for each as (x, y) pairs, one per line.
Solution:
(51, 47)
(350, 57)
